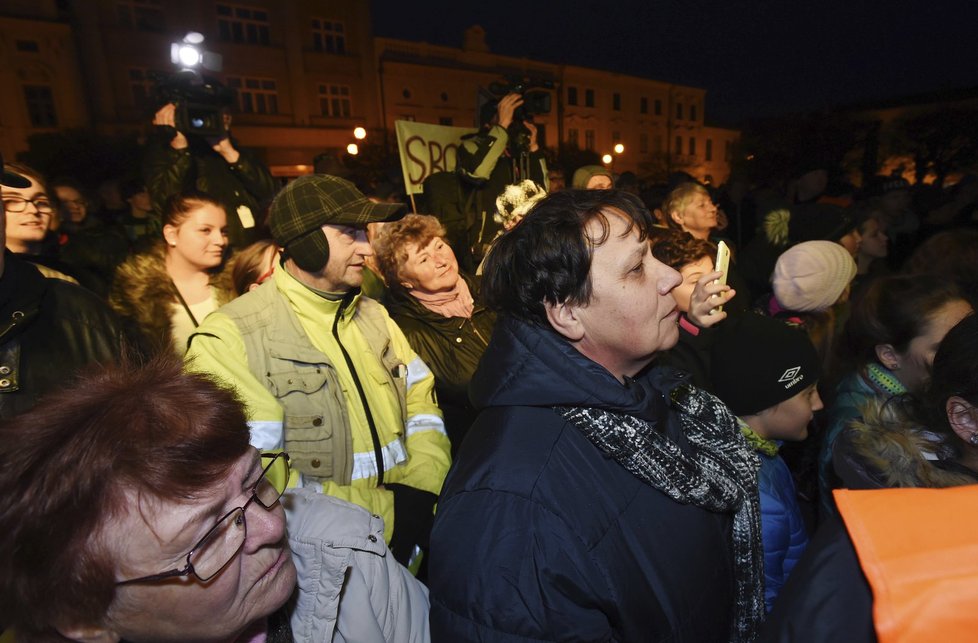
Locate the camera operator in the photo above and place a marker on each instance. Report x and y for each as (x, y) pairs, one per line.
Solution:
(175, 161)
(503, 152)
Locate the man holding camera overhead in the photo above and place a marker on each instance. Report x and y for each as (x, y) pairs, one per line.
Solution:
(176, 160)
(503, 152)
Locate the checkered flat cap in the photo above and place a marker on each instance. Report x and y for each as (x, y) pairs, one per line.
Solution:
(312, 201)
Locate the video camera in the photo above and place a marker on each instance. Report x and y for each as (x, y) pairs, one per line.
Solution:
(200, 102)
(535, 99)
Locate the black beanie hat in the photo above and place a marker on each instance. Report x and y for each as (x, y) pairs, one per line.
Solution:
(758, 362)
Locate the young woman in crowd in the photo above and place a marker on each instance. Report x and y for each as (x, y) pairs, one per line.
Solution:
(165, 292)
(873, 249)
(167, 526)
(697, 298)
(894, 333)
(253, 266)
(439, 310)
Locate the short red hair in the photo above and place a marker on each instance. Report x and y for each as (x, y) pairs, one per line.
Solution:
(67, 469)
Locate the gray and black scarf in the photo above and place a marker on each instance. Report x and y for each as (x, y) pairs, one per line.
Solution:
(720, 475)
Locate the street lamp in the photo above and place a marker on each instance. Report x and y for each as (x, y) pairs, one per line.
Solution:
(607, 159)
(352, 149)
(359, 133)
(619, 148)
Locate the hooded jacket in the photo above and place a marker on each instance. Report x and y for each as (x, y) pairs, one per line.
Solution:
(540, 536)
(143, 296)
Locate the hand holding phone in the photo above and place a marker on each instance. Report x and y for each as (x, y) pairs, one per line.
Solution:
(721, 264)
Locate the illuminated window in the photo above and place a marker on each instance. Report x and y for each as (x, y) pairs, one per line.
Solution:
(40, 105)
(589, 98)
(708, 151)
(255, 95)
(245, 25)
(616, 102)
(144, 15)
(328, 36)
(643, 105)
(334, 101)
(589, 139)
(572, 95)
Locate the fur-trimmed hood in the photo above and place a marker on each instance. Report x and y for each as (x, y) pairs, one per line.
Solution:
(887, 448)
(142, 293)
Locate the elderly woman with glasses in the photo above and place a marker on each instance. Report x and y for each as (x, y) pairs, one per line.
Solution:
(136, 510)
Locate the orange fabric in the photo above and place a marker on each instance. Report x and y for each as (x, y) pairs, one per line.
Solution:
(919, 551)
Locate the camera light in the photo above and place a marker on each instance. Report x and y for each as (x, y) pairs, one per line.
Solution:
(606, 159)
(359, 133)
(352, 149)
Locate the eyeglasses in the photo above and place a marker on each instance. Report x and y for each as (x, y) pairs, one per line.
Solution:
(19, 204)
(225, 539)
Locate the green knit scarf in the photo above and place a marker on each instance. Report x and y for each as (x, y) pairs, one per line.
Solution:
(756, 442)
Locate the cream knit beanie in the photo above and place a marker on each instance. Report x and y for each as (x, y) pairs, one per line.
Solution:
(810, 276)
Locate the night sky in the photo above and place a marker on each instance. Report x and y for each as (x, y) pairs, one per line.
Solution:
(754, 57)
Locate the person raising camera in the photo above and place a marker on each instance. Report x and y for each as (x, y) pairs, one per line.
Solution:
(176, 160)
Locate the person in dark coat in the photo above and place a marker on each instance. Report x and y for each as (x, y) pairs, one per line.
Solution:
(438, 308)
(49, 329)
(594, 498)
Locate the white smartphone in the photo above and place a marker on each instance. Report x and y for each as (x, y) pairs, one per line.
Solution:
(721, 264)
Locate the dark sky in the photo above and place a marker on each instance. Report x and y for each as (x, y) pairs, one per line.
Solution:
(754, 57)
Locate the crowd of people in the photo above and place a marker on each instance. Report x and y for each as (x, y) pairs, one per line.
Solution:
(528, 412)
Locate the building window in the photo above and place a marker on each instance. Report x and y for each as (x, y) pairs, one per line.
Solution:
(572, 95)
(708, 151)
(643, 105)
(255, 95)
(328, 36)
(679, 111)
(692, 146)
(28, 46)
(40, 105)
(692, 112)
(615, 137)
(643, 143)
(141, 87)
(334, 101)
(589, 139)
(658, 107)
(245, 25)
(678, 150)
(657, 143)
(144, 15)
(572, 138)
(446, 120)
(616, 102)
(589, 98)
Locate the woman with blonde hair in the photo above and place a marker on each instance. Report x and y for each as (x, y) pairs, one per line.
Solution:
(164, 293)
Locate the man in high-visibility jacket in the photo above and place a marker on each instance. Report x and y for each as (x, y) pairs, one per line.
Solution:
(325, 373)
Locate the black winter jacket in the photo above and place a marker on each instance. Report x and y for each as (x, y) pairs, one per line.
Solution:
(451, 347)
(49, 331)
(540, 536)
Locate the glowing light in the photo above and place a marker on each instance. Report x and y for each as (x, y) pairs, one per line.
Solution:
(352, 149)
(359, 133)
(189, 55)
(606, 159)
(619, 148)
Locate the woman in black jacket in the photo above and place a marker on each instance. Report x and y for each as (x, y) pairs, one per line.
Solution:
(439, 310)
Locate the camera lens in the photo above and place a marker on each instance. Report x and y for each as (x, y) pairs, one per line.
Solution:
(196, 123)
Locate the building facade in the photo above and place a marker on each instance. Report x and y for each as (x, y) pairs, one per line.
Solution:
(308, 72)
